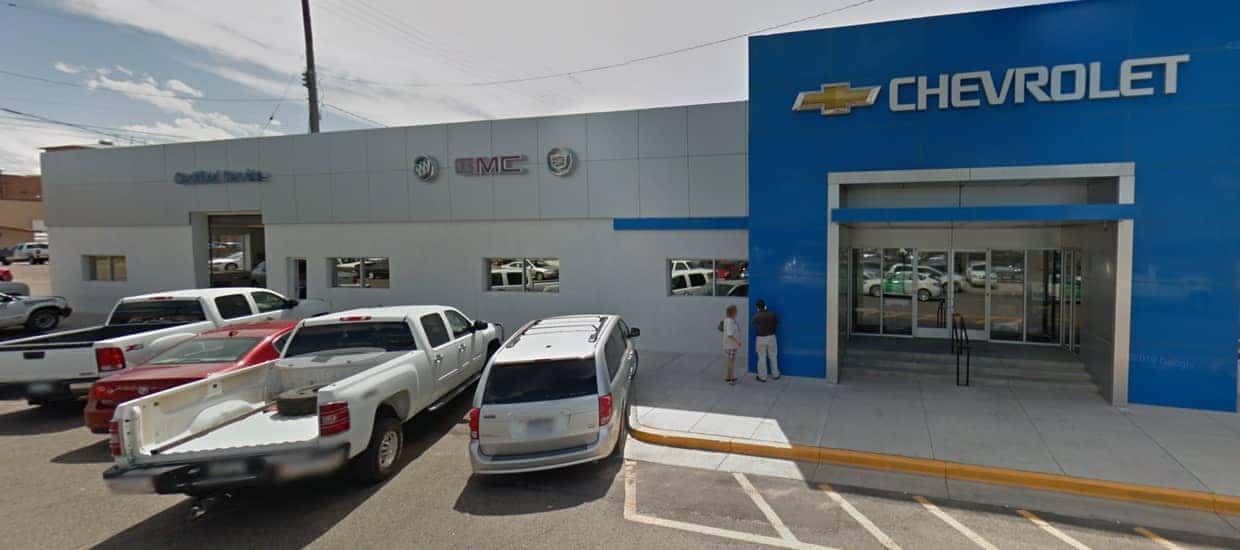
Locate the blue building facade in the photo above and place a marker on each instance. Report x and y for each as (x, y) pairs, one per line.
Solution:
(1146, 83)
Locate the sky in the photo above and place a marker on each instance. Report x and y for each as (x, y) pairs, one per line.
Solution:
(160, 71)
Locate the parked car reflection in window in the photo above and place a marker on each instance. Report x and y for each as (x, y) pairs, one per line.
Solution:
(360, 272)
(523, 274)
(694, 277)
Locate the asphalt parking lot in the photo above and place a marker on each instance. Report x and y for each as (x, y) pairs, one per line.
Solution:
(54, 498)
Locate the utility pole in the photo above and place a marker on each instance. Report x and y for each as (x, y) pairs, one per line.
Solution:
(309, 78)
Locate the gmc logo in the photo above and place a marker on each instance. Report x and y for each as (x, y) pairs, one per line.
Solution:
(490, 166)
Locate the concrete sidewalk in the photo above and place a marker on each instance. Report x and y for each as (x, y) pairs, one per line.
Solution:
(1068, 433)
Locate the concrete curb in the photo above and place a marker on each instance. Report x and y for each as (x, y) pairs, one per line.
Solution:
(1144, 494)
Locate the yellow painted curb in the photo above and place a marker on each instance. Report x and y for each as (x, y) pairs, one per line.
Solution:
(1112, 490)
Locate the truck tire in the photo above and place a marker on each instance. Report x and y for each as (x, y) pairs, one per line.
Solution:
(378, 462)
(301, 402)
(43, 320)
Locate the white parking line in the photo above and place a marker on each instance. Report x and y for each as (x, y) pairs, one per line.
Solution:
(976, 538)
(760, 502)
(857, 515)
(1156, 538)
(630, 513)
(1055, 532)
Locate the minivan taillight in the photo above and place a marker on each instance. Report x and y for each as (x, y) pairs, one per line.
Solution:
(604, 410)
(114, 438)
(109, 359)
(474, 413)
(333, 418)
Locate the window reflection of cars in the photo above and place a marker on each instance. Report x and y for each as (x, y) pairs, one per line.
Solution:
(729, 270)
(902, 284)
(977, 273)
(231, 262)
(692, 282)
(936, 274)
(507, 278)
(686, 265)
(739, 290)
(539, 269)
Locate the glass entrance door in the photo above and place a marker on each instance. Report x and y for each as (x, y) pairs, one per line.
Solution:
(970, 291)
(933, 294)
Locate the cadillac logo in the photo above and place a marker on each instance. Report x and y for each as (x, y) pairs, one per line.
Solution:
(560, 161)
(425, 168)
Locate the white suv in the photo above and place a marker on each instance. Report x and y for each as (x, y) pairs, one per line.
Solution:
(555, 394)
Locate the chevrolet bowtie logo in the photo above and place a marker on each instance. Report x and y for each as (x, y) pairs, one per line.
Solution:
(836, 99)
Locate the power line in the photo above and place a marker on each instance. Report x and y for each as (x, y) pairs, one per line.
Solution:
(618, 64)
(356, 116)
(287, 87)
(88, 127)
(169, 95)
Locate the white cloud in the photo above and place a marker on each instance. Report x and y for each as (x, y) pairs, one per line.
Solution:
(190, 122)
(181, 87)
(20, 143)
(67, 68)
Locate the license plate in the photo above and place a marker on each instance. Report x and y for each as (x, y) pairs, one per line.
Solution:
(228, 469)
(538, 425)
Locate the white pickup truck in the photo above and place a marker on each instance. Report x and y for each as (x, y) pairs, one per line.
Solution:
(62, 365)
(341, 390)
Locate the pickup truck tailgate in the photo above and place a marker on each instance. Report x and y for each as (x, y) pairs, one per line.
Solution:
(38, 365)
(263, 429)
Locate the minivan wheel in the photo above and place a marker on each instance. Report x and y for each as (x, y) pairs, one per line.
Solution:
(378, 462)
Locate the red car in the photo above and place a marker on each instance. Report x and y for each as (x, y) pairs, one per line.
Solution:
(215, 351)
(6, 274)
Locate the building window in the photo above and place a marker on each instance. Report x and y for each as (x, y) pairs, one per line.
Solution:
(523, 274)
(359, 272)
(689, 277)
(105, 268)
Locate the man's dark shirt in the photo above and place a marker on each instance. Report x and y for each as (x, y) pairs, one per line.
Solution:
(764, 323)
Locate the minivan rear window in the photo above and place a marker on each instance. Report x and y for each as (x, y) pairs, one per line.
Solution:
(540, 381)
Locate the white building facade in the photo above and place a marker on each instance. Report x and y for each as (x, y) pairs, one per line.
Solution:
(121, 223)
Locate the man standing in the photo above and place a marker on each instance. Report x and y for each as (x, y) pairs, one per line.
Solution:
(764, 323)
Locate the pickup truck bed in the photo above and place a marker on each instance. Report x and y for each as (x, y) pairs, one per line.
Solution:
(263, 429)
(80, 338)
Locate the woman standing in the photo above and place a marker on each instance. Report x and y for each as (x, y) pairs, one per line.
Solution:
(731, 342)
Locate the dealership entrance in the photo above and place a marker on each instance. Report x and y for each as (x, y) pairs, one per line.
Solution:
(1033, 264)
(1001, 295)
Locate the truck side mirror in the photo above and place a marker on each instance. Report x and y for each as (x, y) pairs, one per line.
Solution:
(290, 303)
(480, 325)
(634, 332)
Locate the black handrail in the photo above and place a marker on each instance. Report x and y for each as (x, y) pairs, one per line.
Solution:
(960, 345)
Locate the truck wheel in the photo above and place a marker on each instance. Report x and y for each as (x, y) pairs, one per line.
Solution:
(301, 402)
(43, 320)
(378, 462)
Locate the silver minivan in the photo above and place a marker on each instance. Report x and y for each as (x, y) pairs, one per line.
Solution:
(555, 394)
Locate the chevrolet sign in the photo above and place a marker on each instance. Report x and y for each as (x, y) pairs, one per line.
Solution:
(1059, 83)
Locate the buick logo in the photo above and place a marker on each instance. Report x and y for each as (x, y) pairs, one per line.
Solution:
(560, 161)
(425, 168)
